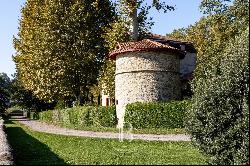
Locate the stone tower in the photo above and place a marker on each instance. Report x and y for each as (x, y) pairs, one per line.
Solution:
(146, 71)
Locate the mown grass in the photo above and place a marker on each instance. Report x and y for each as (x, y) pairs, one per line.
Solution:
(34, 148)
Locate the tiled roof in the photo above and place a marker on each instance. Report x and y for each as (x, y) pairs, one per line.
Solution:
(164, 38)
(143, 45)
(188, 46)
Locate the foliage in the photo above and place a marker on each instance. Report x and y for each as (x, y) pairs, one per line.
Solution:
(210, 35)
(81, 116)
(117, 32)
(136, 11)
(4, 81)
(26, 99)
(3, 100)
(107, 80)
(120, 31)
(60, 47)
(156, 115)
(36, 148)
(4, 91)
(219, 117)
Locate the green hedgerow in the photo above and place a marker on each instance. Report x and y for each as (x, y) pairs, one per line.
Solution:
(156, 115)
(81, 116)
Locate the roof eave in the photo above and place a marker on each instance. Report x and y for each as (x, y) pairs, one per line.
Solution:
(114, 54)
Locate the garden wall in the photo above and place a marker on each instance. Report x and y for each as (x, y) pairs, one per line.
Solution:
(6, 157)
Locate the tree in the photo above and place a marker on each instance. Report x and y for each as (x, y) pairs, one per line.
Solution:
(26, 99)
(117, 32)
(4, 91)
(4, 81)
(60, 47)
(219, 117)
(211, 34)
(218, 120)
(130, 9)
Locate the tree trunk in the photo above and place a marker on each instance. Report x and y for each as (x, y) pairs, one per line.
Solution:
(99, 100)
(135, 25)
(77, 97)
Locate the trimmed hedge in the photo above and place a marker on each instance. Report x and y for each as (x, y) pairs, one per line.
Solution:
(156, 115)
(81, 116)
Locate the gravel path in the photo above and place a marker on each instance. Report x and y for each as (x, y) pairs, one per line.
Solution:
(48, 128)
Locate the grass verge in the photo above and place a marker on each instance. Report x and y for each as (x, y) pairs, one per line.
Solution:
(35, 148)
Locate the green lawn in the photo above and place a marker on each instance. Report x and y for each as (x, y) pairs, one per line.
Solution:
(34, 148)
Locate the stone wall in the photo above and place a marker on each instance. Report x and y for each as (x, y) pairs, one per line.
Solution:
(6, 157)
(146, 77)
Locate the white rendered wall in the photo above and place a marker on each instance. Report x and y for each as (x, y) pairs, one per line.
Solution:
(188, 64)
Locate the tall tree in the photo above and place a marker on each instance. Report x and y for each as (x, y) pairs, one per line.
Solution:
(225, 19)
(137, 12)
(4, 91)
(60, 47)
(25, 98)
(218, 118)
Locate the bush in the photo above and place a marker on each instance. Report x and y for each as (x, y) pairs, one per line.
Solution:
(219, 117)
(156, 115)
(33, 115)
(81, 116)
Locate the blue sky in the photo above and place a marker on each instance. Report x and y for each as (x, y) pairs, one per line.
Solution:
(187, 12)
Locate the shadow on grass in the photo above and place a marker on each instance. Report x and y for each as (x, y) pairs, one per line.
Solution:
(28, 150)
(7, 121)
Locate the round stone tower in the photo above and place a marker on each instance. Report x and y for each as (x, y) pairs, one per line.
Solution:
(146, 71)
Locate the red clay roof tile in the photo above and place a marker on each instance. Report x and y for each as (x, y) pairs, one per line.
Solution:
(143, 45)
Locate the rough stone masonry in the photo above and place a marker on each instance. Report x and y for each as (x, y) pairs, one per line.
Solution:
(6, 157)
(146, 71)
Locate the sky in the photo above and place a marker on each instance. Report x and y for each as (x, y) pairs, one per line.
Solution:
(186, 13)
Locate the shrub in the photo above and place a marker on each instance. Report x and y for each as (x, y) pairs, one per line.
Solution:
(33, 115)
(156, 115)
(81, 116)
(219, 117)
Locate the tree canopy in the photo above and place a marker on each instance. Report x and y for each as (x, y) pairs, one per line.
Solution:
(224, 20)
(60, 47)
(136, 14)
(218, 118)
(5, 84)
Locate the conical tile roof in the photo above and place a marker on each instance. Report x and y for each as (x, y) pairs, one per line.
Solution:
(143, 45)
